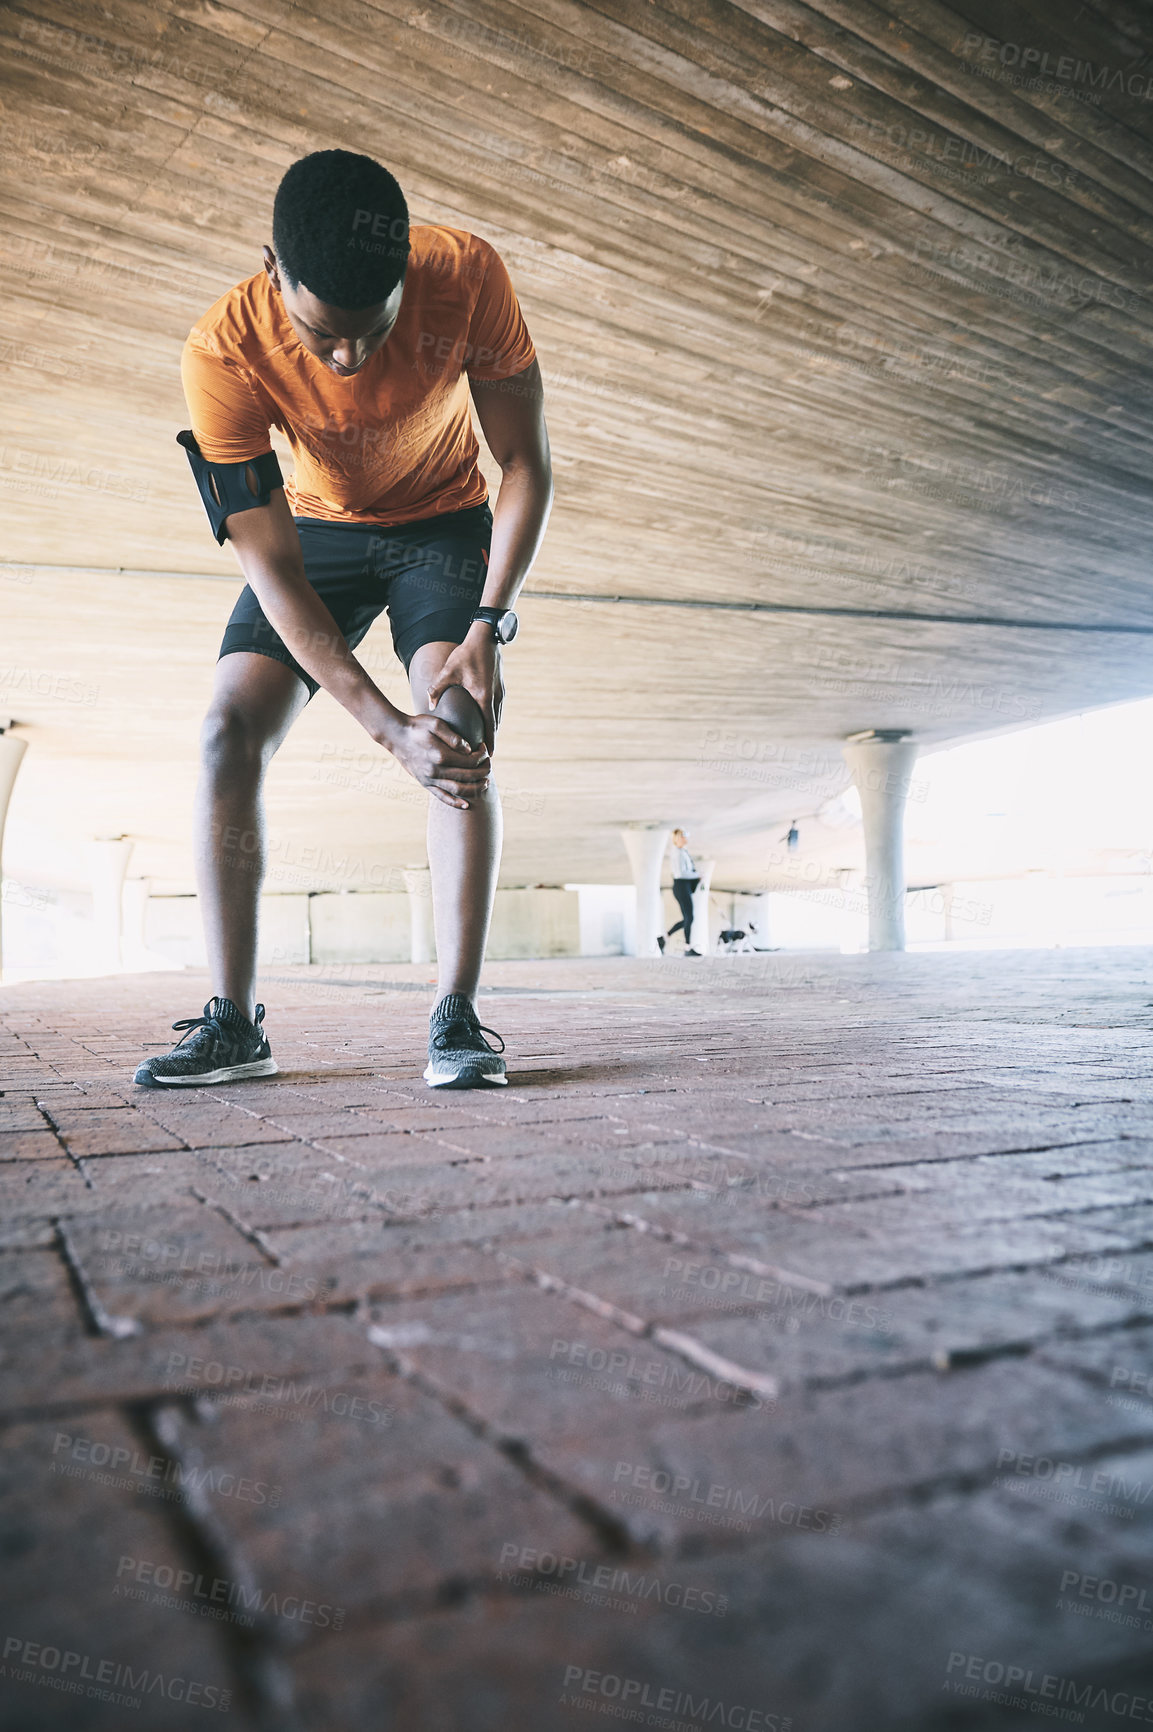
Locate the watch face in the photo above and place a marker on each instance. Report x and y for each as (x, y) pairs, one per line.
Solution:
(507, 627)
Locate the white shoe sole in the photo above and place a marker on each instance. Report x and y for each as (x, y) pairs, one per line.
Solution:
(477, 1078)
(229, 1073)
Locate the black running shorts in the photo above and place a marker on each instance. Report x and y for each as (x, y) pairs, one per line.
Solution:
(429, 575)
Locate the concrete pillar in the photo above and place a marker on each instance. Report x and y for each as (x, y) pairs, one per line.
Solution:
(136, 957)
(107, 864)
(12, 751)
(418, 883)
(881, 762)
(702, 922)
(606, 918)
(133, 946)
(758, 912)
(645, 845)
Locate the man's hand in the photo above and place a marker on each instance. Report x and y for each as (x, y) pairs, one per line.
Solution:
(439, 759)
(475, 665)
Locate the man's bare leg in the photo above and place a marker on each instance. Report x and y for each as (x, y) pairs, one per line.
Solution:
(463, 856)
(254, 703)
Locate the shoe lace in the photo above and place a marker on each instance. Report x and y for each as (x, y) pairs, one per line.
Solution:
(207, 1021)
(464, 1031)
(192, 1023)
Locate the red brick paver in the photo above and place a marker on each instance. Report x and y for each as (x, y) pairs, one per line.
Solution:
(777, 1348)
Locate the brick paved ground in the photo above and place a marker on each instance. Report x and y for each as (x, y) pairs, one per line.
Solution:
(777, 1346)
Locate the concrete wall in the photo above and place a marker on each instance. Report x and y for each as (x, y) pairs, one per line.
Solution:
(172, 929)
(370, 926)
(535, 923)
(373, 926)
(607, 919)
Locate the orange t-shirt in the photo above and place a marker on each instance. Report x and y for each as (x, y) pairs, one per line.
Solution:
(392, 444)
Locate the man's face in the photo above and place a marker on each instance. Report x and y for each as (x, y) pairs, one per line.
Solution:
(343, 341)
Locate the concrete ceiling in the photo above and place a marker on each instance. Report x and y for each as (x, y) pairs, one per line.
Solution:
(836, 317)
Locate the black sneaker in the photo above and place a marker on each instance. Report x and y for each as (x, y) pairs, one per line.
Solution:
(660, 944)
(459, 1057)
(220, 1046)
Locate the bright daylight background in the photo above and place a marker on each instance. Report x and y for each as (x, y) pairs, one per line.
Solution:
(1038, 838)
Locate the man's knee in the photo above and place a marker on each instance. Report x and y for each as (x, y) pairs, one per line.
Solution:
(234, 742)
(461, 711)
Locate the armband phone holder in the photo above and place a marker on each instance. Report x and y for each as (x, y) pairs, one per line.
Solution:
(229, 487)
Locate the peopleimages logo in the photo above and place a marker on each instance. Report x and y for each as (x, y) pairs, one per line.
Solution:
(628, 1695)
(175, 1263)
(64, 1670)
(655, 1379)
(31, 682)
(1042, 1686)
(200, 1593)
(1137, 1381)
(765, 1291)
(577, 1578)
(730, 1500)
(1044, 1477)
(156, 1474)
(1035, 63)
(235, 1385)
(1115, 1602)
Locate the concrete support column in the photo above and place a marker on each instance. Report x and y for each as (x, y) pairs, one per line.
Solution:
(12, 751)
(645, 845)
(418, 883)
(702, 923)
(133, 944)
(107, 863)
(749, 913)
(881, 762)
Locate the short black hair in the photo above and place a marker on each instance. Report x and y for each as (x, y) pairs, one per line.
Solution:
(340, 227)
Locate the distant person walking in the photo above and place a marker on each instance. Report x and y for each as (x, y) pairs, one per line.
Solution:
(685, 880)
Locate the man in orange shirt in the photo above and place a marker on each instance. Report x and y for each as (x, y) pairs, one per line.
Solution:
(361, 341)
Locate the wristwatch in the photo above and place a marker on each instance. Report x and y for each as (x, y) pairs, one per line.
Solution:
(503, 621)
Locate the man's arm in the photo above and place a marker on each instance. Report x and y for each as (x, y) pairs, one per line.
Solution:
(267, 545)
(511, 416)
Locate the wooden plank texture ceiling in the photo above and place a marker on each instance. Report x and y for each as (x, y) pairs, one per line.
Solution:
(844, 317)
